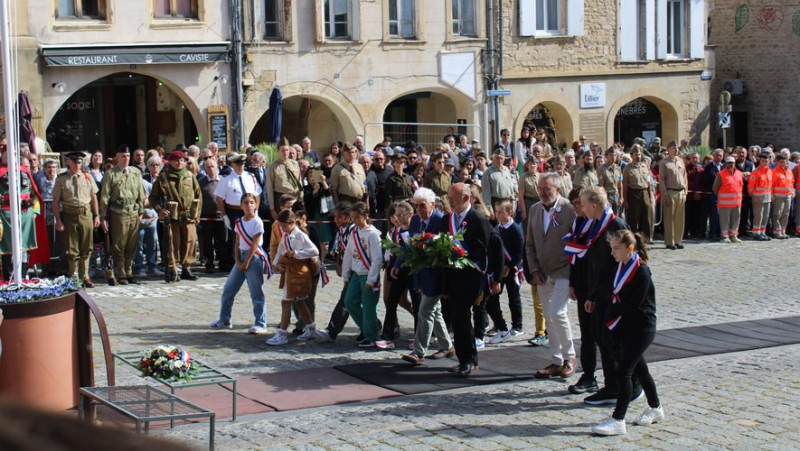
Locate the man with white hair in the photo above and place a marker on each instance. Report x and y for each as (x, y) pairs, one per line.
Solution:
(308, 152)
(428, 282)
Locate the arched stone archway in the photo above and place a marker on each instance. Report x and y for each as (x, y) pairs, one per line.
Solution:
(331, 116)
(561, 116)
(670, 125)
(136, 108)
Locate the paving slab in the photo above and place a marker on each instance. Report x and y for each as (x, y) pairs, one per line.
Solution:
(292, 390)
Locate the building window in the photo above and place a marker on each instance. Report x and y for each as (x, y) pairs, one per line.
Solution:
(548, 14)
(81, 9)
(464, 18)
(337, 25)
(175, 9)
(401, 19)
(273, 19)
(675, 28)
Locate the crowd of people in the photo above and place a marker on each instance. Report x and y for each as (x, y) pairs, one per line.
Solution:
(574, 224)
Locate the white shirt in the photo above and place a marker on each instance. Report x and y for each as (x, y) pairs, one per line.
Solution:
(253, 227)
(370, 239)
(230, 188)
(299, 242)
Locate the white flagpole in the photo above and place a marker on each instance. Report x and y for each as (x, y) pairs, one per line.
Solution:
(12, 127)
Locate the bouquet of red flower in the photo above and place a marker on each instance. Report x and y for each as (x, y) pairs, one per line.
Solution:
(168, 362)
(431, 251)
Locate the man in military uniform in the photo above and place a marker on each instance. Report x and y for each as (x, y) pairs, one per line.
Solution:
(283, 177)
(499, 183)
(121, 209)
(348, 178)
(610, 176)
(637, 192)
(75, 210)
(585, 176)
(178, 188)
(438, 180)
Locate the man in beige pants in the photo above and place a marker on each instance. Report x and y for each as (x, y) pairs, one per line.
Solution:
(673, 183)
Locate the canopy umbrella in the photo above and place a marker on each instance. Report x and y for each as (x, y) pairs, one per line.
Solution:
(26, 132)
(275, 114)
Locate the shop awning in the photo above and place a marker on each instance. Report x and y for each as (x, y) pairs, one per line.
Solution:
(110, 55)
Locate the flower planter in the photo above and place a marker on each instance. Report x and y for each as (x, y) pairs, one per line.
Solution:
(47, 351)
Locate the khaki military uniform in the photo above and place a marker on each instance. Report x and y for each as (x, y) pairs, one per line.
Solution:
(610, 176)
(637, 182)
(283, 177)
(673, 183)
(348, 182)
(498, 185)
(182, 188)
(74, 196)
(439, 183)
(584, 178)
(122, 202)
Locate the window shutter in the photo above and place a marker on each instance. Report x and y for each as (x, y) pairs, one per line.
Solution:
(354, 18)
(628, 30)
(661, 29)
(697, 29)
(650, 30)
(575, 17)
(320, 14)
(527, 17)
(406, 26)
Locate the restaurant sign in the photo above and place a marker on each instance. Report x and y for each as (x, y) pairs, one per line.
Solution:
(117, 55)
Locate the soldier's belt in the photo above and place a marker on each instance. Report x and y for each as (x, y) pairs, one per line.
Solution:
(75, 210)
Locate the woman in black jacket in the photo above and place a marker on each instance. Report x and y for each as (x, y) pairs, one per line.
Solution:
(631, 317)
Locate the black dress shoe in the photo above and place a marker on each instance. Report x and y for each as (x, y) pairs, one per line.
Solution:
(187, 275)
(169, 278)
(672, 247)
(132, 280)
(466, 369)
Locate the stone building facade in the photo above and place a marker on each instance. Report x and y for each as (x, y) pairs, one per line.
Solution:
(640, 63)
(757, 51)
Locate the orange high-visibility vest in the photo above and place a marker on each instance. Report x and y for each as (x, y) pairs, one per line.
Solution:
(782, 181)
(730, 189)
(760, 182)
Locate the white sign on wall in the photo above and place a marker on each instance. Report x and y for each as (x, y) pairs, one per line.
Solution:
(593, 95)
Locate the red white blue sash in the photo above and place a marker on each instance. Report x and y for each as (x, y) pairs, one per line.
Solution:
(596, 229)
(624, 275)
(576, 238)
(260, 252)
(363, 256)
(519, 276)
(455, 228)
(323, 274)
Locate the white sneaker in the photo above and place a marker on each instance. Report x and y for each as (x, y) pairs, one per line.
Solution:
(323, 335)
(735, 239)
(479, 343)
(501, 336)
(257, 330)
(385, 344)
(726, 240)
(280, 338)
(308, 332)
(650, 416)
(611, 426)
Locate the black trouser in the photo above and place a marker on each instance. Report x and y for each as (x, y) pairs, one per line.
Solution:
(630, 361)
(463, 290)
(608, 346)
(8, 266)
(214, 241)
(514, 305)
(696, 217)
(396, 290)
(339, 316)
(480, 319)
(588, 348)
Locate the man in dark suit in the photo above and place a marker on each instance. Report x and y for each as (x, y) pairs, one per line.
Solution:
(428, 282)
(710, 171)
(464, 287)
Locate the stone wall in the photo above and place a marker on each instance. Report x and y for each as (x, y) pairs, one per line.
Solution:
(762, 48)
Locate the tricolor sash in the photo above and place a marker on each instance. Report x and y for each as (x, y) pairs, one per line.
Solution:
(260, 252)
(575, 240)
(624, 275)
(519, 276)
(362, 255)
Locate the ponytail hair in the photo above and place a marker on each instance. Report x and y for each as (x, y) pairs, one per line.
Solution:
(299, 210)
(361, 208)
(289, 216)
(628, 238)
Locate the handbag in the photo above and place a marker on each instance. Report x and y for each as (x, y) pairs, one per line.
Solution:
(326, 205)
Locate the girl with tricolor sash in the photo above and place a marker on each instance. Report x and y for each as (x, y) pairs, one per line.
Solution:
(251, 264)
(293, 260)
(361, 270)
(632, 316)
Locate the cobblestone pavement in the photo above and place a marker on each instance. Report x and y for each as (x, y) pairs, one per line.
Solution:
(743, 400)
(748, 400)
